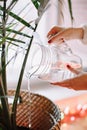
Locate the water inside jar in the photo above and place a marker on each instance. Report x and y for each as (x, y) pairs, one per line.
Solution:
(49, 62)
(60, 72)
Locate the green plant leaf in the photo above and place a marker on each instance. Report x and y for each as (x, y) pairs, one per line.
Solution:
(11, 39)
(18, 32)
(1, 128)
(36, 3)
(70, 10)
(21, 20)
(12, 4)
(1, 71)
(41, 9)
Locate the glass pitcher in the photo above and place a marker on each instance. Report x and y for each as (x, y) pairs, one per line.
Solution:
(48, 62)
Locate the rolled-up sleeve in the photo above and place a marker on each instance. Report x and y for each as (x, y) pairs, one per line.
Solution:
(84, 40)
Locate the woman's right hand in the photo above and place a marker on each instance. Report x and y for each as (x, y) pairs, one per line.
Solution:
(59, 34)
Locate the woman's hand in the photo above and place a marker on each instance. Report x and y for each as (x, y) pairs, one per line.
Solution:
(77, 83)
(59, 35)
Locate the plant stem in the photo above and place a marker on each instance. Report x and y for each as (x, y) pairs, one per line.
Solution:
(13, 116)
(3, 60)
(5, 108)
(3, 82)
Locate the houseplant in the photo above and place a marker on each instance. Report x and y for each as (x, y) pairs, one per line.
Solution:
(9, 36)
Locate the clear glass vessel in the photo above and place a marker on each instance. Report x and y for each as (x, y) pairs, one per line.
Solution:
(49, 62)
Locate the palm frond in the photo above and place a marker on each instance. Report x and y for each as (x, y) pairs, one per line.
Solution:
(11, 35)
(21, 20)
(18, 32)
(36, 3)
(12, 4)
(11, 39)
(70, 10)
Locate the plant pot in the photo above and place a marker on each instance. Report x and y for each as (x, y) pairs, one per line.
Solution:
(22, 128)
(40, 112)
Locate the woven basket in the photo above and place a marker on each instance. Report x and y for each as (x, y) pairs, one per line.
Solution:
(40, 112)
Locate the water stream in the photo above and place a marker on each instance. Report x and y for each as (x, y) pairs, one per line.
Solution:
(29, 76)
(29, 93)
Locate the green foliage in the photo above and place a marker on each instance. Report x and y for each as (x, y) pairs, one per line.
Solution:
(9, 35)
(36, 3)
(0, 128)
(70, 10)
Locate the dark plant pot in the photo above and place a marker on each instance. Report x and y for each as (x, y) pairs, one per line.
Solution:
(2, 127)
(22, 128)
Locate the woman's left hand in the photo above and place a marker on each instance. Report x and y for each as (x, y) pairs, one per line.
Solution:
(77, 83)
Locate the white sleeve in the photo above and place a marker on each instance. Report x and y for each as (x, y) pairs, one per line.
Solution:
(84, 40)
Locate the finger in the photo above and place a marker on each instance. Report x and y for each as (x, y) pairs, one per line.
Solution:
(59, 41)
(63, 84)
(74, 70)
(55, 39)
(60, 83)
(53, 31)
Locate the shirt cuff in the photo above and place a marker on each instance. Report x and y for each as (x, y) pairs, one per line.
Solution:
(84, 40)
